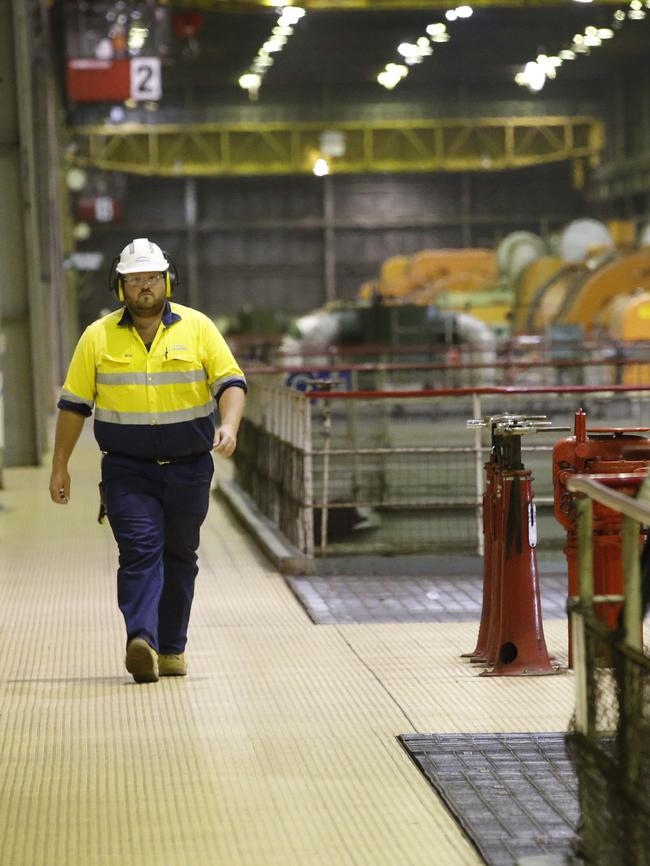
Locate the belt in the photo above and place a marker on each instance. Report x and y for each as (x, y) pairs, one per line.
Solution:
(161, 461)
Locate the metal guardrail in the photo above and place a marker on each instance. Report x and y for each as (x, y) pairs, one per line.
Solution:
(402, 458)
(609, 736)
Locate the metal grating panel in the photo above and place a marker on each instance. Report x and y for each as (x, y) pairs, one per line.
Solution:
(515, 795)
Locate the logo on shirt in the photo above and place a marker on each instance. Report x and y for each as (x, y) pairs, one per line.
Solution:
(179, 347)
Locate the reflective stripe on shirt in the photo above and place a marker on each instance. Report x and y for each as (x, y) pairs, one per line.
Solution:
(174, 417)
(175, 377)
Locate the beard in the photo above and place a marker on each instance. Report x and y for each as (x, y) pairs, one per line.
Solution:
(146, 305)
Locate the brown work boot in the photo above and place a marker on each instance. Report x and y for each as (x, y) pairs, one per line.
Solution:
(141, 661)
(172, 665)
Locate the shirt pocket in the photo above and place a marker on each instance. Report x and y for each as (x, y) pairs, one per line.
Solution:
(114, 365)
(184, 377)
(118, 385)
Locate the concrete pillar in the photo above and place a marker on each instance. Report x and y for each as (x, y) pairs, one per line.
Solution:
(22, 314)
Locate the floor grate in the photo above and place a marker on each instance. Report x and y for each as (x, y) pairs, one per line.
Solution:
(515, 795)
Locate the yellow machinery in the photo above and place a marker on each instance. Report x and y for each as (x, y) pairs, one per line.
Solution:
(578, 293)
(453, 279)
(521, 284)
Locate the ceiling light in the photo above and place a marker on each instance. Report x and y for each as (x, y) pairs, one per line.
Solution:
(407, 49)
(290, 15)
(464, 11)
(636, 14)
(137, 37)
(436, 29)
(619, 15)
(592, 41)
(250, 81)
(441, 37)
(451, 15)
(535, 77)
(605, 33)
(321, 167)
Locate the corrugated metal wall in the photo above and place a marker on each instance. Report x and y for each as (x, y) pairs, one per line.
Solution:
(261, 241)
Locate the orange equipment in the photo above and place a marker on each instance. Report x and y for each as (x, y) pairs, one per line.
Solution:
(598, 452)
(511, 635)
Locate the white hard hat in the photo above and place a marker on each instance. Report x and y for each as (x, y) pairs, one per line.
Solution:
(141, 256)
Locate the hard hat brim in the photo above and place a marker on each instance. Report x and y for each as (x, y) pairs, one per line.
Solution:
(141, 269)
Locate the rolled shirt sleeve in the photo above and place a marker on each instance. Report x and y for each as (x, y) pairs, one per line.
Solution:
(78, 392)
(221, 368)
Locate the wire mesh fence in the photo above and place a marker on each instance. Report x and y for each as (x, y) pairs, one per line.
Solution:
(398, 472)
(612, 752)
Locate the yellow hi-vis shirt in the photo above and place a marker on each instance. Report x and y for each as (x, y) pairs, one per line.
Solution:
(153, 404)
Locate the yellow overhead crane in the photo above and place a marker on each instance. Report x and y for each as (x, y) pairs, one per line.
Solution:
(477, 144)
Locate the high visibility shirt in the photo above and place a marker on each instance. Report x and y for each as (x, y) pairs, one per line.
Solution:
(154, 404)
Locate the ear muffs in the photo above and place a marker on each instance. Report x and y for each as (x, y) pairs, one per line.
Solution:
(171, 275)
(115, 279)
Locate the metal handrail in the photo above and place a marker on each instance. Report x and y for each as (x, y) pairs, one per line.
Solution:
(597, 491)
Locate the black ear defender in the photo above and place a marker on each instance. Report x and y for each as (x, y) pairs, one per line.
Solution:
(115, 283)
(171, 275)
(114, 280)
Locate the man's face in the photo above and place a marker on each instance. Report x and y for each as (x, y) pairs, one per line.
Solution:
(145, 294)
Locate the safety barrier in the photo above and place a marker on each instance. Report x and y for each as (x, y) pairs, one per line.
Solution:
(345, 472)
(609, 738)
(386, 374)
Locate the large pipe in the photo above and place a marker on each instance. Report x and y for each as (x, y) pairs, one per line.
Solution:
(482, 343)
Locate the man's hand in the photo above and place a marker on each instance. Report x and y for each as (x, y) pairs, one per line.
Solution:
(60, 486)
(68, 428)
(225, 440)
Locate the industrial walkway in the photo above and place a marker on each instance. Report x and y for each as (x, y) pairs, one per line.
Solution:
(279, 748)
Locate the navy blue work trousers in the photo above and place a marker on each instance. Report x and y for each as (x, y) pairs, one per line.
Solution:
(155, 512)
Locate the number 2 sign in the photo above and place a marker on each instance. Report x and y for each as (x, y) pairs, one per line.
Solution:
(145, 78)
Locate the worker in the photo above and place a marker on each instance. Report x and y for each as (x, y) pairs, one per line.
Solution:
(152, 370)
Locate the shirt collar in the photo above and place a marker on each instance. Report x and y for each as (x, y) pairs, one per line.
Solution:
(168, 317)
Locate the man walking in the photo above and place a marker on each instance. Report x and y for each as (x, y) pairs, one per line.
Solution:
(152, 371)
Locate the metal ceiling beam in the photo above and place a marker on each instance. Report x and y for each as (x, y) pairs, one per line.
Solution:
(481, 144)
(374, 5)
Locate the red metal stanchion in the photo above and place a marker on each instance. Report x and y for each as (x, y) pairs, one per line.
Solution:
(521, 646)
(511, 634)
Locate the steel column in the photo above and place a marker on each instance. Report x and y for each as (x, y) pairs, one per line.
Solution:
(21, 308)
